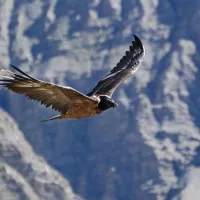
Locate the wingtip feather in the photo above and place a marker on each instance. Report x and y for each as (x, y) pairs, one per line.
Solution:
(137, 39)
(138, 42)
(17, 69)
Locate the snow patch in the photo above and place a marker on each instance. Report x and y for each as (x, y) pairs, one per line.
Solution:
(192, 188)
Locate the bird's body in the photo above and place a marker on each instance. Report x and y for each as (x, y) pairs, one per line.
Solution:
(69, 102)
(81, 109)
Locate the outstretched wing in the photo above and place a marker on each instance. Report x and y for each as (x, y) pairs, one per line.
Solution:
(60, 98)
(125, 68)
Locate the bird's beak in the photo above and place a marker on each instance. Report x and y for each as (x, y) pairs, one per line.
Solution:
(115, 105)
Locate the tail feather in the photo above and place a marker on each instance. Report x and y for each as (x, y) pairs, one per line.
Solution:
(53, 118)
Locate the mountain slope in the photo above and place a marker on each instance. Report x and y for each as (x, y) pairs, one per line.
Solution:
(24, 175)
(143, 149)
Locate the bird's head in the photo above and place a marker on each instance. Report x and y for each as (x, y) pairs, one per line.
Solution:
(106, 103)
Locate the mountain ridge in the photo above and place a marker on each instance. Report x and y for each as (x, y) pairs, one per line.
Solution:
(76, 44)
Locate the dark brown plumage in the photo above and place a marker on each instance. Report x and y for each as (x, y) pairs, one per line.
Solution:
(68, 101)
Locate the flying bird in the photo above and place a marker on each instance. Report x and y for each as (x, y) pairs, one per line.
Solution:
(69, 102)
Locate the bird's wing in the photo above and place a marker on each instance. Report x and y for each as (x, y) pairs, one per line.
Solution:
(60, 98)
(125, 68)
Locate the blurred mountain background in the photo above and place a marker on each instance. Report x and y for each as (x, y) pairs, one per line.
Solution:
(146, 149)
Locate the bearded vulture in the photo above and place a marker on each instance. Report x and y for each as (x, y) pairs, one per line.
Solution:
(69, 102)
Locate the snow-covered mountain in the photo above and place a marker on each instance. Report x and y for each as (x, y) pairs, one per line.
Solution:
(147, 148)
(23, 175)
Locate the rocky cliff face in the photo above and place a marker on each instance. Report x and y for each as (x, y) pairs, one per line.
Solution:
(148, 148)
(23, 174)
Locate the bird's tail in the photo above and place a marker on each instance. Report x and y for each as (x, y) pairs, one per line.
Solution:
(53, 118)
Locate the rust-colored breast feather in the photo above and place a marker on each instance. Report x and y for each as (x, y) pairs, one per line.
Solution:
(82, 110)
(69, 102)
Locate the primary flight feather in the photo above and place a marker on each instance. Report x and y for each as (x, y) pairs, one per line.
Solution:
(69, 102)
